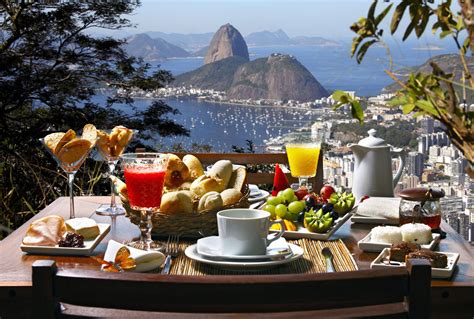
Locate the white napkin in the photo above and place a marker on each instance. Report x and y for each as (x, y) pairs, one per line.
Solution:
(386, 207)
(145, 260)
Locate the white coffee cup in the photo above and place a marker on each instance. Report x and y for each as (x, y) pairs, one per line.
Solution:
(245, 231)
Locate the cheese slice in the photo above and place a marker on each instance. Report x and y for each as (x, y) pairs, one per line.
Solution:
(83, 226)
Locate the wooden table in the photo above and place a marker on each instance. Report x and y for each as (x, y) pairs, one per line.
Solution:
(448, 296)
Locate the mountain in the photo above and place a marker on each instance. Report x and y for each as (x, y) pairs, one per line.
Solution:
(264, 38)
(217, 75)
(190, 42)
(316, 41)
(142, 45)
(450, 63)
(278, 77)
(226, 42)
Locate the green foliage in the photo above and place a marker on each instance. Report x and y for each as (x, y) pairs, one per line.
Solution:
(50, 68)
(431, 94)
(356, 109)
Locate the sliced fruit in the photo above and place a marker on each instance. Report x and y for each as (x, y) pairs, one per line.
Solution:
(280, 182)
(67, 137)
(317, 222)
(343, 202)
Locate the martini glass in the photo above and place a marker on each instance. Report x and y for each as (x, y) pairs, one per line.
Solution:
(303, 156)
(111, 154)
(145, 176)
(70, 158)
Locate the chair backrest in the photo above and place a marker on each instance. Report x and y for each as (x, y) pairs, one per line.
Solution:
(260, 158)
(362, 293)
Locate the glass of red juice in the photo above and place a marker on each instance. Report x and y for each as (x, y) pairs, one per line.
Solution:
(145, 177)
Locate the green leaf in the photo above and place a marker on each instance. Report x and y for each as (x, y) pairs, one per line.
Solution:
(397, 16)
(363, 50)
(425, 17)
(443, 34)
(426, 106)
(338, 94)
(355, 44)
(357, 111)
(409, 29)
(407, 108)
(466, 45)
(382, 14)
(371, 13)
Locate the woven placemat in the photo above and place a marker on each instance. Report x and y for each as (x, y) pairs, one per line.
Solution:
(312, 261)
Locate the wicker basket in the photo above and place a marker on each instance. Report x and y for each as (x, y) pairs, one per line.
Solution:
(192, 225)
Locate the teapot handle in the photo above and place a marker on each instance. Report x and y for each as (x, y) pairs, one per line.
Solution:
(401, 156)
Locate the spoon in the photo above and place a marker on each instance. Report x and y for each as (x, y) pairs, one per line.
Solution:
(328, 254)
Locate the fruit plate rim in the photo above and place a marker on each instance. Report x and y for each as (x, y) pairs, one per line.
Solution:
(441, 273)
(366, 245)
(302, 232)
(90, 245)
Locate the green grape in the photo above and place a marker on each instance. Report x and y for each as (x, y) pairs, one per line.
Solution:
(296, 207)
(280, 194)
(294, 199)
(273, 200)
(280, 210)
(271, 209)
(288, 194)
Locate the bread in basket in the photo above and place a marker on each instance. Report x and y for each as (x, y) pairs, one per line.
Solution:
(192, 197)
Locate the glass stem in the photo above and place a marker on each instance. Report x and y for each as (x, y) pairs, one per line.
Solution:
(70, 177)
(303, 181)
(146, 225)
(111, 165)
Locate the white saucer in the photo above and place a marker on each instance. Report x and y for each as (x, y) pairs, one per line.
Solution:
(210, 247)
(191, 252)
(263, 194)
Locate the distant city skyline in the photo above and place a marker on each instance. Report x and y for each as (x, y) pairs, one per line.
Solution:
(330, 19)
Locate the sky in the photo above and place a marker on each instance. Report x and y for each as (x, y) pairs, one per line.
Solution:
(328, 18)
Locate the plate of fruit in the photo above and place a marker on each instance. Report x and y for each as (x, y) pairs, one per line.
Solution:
(310, 215)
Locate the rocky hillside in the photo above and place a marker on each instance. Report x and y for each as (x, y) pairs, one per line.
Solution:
(226, 42)
(450, 63)
(278, 77)
(142, 45)
(217, 75)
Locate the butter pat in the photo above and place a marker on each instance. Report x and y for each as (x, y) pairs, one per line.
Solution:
(83, 226)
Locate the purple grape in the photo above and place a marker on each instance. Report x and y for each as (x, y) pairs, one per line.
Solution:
(327, 207)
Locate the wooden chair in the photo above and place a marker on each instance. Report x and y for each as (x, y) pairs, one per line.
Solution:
(261, 158)
(392, 293)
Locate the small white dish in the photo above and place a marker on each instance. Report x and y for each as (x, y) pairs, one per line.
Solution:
(87, 250)
(262, 196)
(191, 252)
(210, 247)
(366, 245)
(302, 232)
(382, 262)
(254, 190)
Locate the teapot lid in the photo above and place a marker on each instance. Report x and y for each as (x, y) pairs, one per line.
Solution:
(372, 141)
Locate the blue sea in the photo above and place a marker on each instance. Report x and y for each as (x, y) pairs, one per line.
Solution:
(222, 125)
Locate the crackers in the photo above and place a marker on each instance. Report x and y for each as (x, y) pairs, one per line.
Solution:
(68, 148)
(113, 144)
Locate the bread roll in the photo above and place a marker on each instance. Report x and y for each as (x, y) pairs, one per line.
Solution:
(176, 172)
(205, 184)
(210, 201)
(222, 169)
(176, 203)
(238, 179)
(231, 196)
(46, 231)
(194, 166)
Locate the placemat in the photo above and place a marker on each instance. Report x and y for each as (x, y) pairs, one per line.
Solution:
(312, 261)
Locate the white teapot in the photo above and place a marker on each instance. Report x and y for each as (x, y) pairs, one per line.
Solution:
(373, 167)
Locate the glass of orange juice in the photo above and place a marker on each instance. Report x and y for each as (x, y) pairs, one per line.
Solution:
(303, 159)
